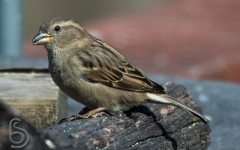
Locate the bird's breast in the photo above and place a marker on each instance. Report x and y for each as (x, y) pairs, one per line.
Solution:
(59, 69)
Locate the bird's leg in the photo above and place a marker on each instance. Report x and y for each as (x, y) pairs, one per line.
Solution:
(86, 113)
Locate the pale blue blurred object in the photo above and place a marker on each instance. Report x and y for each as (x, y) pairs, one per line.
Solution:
(11, 28)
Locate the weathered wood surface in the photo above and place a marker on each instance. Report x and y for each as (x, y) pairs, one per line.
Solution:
(34, 95)
(150, 126)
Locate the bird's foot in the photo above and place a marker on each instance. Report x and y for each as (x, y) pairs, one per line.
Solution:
(85, 113)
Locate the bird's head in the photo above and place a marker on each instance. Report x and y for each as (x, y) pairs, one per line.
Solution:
(59, 33)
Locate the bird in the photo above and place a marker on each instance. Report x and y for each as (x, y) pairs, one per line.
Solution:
(95, 74)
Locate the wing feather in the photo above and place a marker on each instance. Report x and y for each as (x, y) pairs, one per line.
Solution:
(114, 70)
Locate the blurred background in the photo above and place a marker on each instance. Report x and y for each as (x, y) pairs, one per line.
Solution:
(180, 38)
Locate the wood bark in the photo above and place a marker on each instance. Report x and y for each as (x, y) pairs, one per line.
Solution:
(150, 126)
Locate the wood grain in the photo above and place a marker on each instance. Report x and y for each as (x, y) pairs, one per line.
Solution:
(34, 95)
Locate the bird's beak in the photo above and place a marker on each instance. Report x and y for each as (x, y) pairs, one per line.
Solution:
(41, 38)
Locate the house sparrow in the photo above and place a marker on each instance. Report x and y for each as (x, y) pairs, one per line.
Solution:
(95, 74)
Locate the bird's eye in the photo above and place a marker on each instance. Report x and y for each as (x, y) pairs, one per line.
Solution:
(57, 28)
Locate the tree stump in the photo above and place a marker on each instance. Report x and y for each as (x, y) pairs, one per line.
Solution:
(150, 126)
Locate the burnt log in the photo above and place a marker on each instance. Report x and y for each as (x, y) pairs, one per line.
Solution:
(149, 126)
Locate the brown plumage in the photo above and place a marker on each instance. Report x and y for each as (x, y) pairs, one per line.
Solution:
(95, 74)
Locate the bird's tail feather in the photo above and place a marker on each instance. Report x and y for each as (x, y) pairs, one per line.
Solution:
(166, 99)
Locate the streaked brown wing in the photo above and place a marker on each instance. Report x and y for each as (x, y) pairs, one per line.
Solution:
(114, 70)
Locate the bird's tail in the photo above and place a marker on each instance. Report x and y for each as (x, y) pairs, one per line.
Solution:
(166, 99)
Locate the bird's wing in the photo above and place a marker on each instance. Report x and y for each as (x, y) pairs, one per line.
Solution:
(114, 70)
